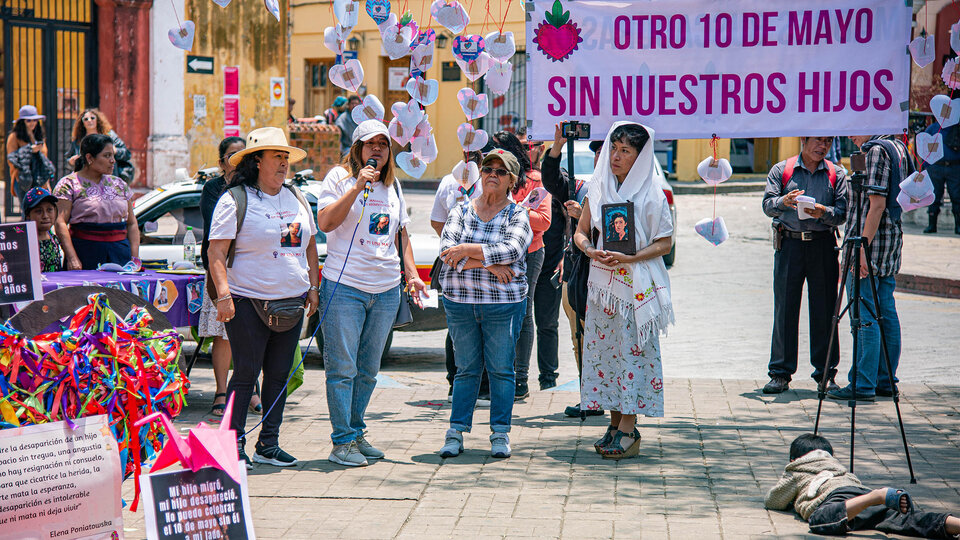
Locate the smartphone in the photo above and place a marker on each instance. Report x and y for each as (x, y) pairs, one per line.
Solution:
(575, 130)
(858, 162)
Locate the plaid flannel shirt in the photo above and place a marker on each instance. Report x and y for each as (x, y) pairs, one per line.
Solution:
(504, 238)
(887, 244)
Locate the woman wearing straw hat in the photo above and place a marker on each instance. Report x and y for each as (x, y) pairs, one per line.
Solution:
(362, 273)
(269, 268)
(28, 132)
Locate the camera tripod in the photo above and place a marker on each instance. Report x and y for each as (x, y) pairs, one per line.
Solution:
(850, 248)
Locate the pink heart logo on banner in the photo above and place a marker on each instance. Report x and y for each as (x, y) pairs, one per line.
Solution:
(411, 164)
(500, 45)
(476, 68)
(409, 114)
(378, 10)
(347, 12)
(422, 57)
(334, 38)
(423, 90)
(908, 203)
(468, 48)
(370, 109)
(945, 110)
(273, 6)
(471, 139)
(222, 3)
(498, 77)
(930, 147)
(918, 185)
(425, 148)
(712, 230)
(182, 36)
(348, 75)
(396, 41)
(398, 132)
(923, 50)
(474, 106)
(423, 128)
(451, 16)
(714, 172)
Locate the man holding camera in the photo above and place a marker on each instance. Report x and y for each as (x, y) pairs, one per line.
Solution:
(887, 162)
(807, 197)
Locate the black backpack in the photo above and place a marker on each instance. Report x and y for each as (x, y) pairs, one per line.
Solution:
(894, 210)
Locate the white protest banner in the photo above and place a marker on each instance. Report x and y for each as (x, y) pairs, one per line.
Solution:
(738, 68)
(57, 482)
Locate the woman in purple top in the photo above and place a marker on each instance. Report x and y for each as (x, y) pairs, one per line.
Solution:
(96, 223)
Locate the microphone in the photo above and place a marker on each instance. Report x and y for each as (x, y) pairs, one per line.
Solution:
(369, 186)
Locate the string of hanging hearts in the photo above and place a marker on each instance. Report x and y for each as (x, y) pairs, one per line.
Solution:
(714, 172)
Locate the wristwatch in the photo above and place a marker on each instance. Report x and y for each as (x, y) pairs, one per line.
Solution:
(313, 288)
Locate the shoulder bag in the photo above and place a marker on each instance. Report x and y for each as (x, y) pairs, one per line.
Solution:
(404, 313)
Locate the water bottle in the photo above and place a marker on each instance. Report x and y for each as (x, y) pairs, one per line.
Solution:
(190, 246)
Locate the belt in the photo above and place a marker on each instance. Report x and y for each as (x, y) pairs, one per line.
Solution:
(808, 236)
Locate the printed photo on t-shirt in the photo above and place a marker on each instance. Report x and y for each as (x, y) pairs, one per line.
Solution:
(380, 224)
(292, 235)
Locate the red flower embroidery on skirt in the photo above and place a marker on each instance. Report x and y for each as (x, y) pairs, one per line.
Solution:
(635, 350)
(656, 383)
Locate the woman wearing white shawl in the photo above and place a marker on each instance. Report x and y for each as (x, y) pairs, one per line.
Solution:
(628, 302)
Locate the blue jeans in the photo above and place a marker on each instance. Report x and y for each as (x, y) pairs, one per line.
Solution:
(354, 332)
(871, 367)
(483, 334)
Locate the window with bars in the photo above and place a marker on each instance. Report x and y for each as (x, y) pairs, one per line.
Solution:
(509, 111)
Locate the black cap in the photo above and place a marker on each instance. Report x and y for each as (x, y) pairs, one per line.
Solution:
(595, 146)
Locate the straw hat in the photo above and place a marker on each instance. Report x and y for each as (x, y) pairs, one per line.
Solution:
(268, 138)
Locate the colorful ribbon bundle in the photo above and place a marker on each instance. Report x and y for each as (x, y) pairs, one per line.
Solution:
(100, 364)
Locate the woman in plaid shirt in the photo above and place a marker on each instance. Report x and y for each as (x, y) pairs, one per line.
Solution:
(484, 246)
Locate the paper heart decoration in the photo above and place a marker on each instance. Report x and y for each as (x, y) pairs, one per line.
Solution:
(500, 46)
(466, 174)
(182, 36)
(714, 172)
(930, 147)
(399, 132)
(425, 147)
(423, 90)
(347, 12)
(425, 37)
(918, 185)
(498, 77)
(945, 110)
(451, 16)
(471, 139)
(468, 48)
(923, 49)
(222, 3)
(335, 39)
(391, 21)
(370, 109)
(348, 75)
(411, 164)
(396, 41)
(273, 7)
(908, 203)
(378, 10)
(476, 68)
(473, 106)
(409, 114)
(422, 57)
(951, 73)
(712, 230)
(423, 128)
(955, 37)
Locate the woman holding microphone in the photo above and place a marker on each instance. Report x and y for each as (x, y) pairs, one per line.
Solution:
(363, 213)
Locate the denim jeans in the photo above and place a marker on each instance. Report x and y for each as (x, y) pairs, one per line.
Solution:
(830, 518)
(355, 331)
(525, 342)
(871, 367)
(483, 334)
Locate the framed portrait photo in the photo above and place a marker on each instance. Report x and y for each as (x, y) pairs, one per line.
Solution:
(618, 228)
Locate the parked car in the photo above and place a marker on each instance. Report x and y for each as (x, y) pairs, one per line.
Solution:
(583, 170)
(165, 213)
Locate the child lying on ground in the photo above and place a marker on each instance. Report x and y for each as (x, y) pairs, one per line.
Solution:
(834, 501)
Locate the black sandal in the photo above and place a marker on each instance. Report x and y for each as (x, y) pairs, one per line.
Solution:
(615, 449)
(258, 408)
(607, 439)
(219, 408)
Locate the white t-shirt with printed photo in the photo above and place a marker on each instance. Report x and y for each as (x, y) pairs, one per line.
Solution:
(271, 250)
(374, 264)
(450, 194)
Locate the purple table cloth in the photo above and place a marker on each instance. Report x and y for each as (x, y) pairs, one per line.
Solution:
(178, 296)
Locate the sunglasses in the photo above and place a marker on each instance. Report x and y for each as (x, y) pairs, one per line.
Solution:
(89, 118)
(491, 170)
(531, 146)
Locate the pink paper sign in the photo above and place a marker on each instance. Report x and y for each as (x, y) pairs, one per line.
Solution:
(231, 132)
(231, 81)
(231, 111)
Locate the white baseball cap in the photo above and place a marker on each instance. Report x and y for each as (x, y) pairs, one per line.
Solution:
(369, 129)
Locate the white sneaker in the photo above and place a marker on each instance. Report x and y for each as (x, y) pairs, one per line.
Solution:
(348, 454)
(500, 445)
(368, 450)
(453, 444)
(483, 400)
